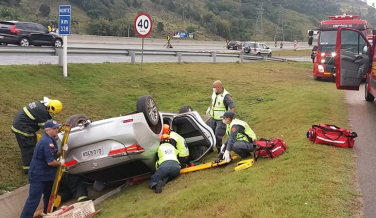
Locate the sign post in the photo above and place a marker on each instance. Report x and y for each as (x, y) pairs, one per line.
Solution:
(143, 25)
(65, 30)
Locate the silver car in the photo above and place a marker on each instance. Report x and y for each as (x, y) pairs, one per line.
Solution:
(257, 48)
(123, 147)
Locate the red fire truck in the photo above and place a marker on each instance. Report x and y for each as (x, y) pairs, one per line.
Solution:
(323, 64)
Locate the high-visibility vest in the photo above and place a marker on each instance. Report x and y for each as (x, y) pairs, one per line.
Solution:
(248, 132)
(166, 151)
(181, 145)
(218, 107)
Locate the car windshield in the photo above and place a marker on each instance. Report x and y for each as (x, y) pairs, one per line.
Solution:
(254, 45)
(327, 40)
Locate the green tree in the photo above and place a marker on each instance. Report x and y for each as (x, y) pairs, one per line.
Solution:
(191, 29)
(100, 26)
(160, 27)
(45, 10)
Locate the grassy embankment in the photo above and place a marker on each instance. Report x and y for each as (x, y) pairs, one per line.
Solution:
(299, 53)
(309, 180)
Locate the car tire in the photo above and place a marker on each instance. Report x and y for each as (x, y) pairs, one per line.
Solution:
(58, 43)
(258, 54)
(367, 95)
(148, 107)
(270, 55)
(185, 108)
(24, 42)
(77, 119)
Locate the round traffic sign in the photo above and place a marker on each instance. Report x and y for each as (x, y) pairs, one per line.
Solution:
(143, 24)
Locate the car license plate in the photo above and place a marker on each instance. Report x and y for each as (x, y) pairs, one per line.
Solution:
(92, 153)
(1, 37)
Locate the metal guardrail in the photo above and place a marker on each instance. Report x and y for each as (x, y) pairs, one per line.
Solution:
(75, 51)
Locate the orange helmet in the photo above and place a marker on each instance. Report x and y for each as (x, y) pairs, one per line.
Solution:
(166, 129)
(165, 138)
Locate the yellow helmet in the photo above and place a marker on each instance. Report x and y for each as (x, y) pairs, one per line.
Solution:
(55, 106)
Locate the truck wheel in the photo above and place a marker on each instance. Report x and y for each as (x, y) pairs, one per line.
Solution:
(367, 95)
(148, 107)
(316, 78)
(77, 119)
(185, 108)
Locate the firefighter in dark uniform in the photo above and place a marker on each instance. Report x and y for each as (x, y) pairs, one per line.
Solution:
(43, 169)
(28, 121)
(167, 165)
(180, 144)
(72, 186)
(240, 138)
(221, 102)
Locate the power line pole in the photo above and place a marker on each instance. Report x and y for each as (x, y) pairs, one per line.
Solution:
(279, 28)
(259, 26)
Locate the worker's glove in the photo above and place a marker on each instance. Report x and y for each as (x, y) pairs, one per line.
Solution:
(65, 147)
(62, 161)
(87, 123)
(208, 111)
(223, 148)
(226, 156)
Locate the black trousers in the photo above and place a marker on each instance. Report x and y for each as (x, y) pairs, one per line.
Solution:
(71, 186)
(219, 129)
(27, 145)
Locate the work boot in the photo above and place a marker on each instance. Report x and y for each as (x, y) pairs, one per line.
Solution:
(159, 186)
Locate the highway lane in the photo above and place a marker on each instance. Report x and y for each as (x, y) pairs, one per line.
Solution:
(363, 120)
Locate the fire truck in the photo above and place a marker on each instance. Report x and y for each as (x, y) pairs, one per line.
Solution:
(323, 63)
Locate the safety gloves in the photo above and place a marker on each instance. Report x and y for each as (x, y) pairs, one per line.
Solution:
(226, 156)
(208, 112)
(65, 147)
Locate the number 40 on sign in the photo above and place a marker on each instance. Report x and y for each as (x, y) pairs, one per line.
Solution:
(143, 24)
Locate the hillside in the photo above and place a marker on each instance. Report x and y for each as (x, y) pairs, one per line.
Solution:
(209, 19)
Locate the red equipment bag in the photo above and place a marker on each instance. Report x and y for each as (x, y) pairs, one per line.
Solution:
(269, 148)
(331, 135)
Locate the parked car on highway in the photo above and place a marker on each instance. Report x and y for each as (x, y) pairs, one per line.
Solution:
(257, 48)
(27, 33)
(123, 147)
(234, 45)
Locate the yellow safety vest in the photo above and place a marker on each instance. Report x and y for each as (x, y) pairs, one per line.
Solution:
(166, 151)
(241, 136)
(180, 144)
(218, 107)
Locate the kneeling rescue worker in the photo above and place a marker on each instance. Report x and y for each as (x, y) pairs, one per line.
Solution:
(28, 121)
(179, 142)
(167, 165)
(240, 138)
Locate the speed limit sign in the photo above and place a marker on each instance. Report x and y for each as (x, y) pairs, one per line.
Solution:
(143, 24)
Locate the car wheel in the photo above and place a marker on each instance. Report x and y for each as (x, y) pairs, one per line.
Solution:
(148, 107)
(58, 43)
(24, 42)
(77, 120)
(270, 54)
(185, 108)
(258, 54)
(367, 95)
(316, 78)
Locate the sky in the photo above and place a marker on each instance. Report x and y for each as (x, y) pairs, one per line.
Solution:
(371, 1)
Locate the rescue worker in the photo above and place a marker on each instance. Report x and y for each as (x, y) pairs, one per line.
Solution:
(28, 121)
(221, 102)
(167, 165)
(72, 186)
(179, 142)
(240, 138)
(43, 169)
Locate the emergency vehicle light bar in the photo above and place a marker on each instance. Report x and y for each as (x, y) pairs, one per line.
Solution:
(344, 17)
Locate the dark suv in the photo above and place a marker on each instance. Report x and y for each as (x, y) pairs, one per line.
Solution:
(27, 33)
(235, 45)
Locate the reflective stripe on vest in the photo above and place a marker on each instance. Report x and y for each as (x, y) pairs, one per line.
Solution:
(218, 107)
(22, 133)
(166, 151)
(183, 151)
(41, 124)
(25, 167)
(247, 130)
(28, 113)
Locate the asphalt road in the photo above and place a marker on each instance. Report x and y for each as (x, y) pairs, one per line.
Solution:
(363, 120)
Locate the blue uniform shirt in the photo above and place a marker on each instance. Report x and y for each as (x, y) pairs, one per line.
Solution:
(44, 153)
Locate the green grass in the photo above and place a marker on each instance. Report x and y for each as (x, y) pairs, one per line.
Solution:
(309, 180)
(298, 53)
